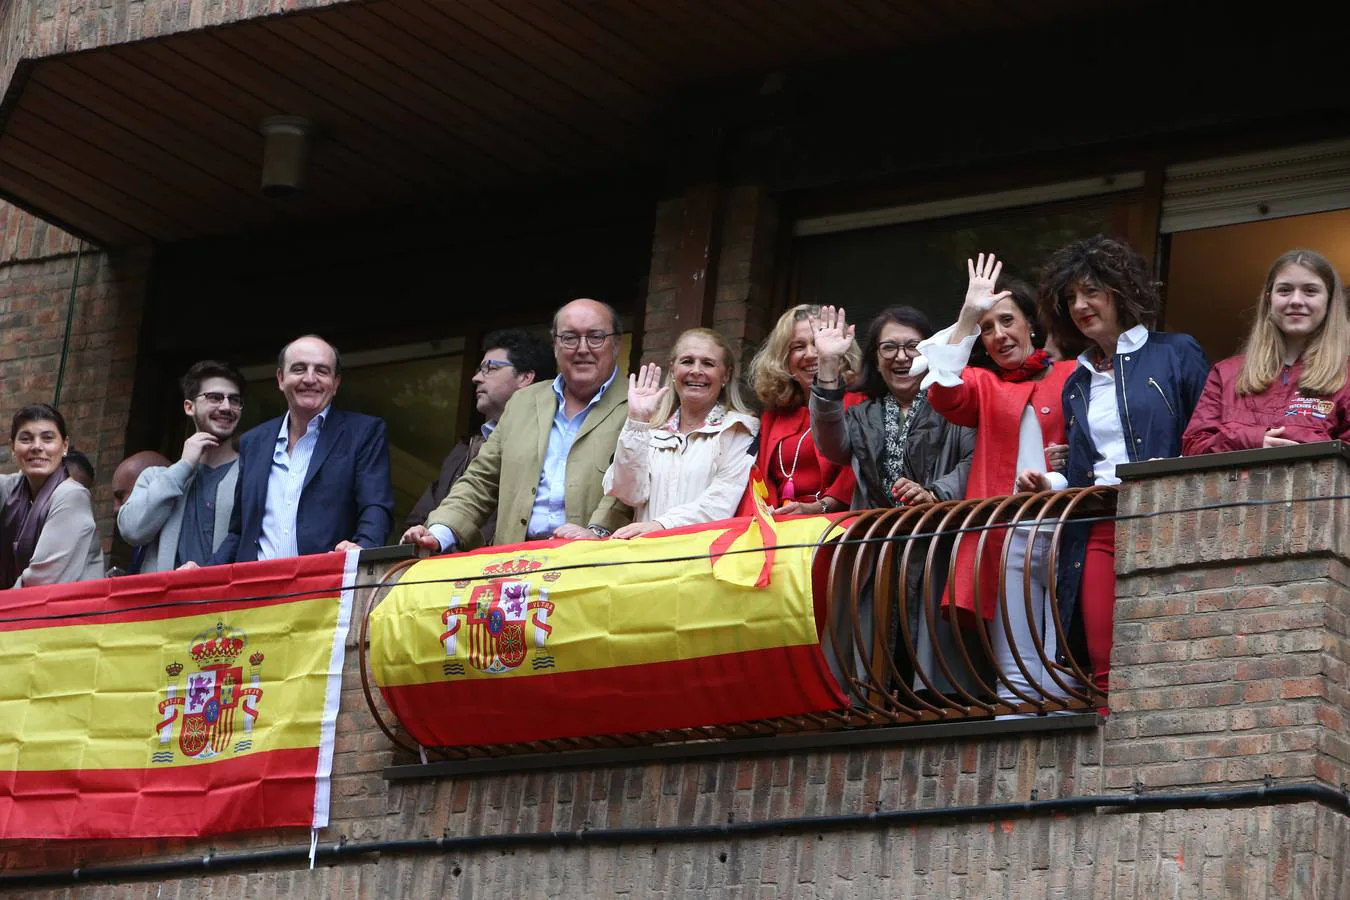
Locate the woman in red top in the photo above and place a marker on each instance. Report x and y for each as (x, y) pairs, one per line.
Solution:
(799, 481)
(1018, 413)
(1290, 387)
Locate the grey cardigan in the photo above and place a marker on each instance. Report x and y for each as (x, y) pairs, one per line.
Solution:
(938, 454)
(152, 517)
(68, 547)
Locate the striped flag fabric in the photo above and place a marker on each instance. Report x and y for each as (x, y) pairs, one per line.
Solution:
(175, 704)
(556, 639)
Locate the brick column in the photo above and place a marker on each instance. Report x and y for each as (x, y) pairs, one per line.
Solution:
(742, 280)
(1230, 637)
(37, 265)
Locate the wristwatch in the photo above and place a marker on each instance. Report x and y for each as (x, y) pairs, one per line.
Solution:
(599, 531)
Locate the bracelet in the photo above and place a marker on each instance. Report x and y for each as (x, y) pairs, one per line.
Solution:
(827, 382)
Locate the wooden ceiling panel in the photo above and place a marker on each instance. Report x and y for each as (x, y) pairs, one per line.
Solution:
(415, 101)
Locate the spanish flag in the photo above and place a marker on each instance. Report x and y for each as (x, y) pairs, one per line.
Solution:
(561, 639)
(174, 704)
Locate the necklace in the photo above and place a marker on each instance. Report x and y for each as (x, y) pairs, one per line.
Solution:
(789, 491)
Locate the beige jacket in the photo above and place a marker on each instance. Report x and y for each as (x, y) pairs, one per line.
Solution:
(68, 547)
(505, 474)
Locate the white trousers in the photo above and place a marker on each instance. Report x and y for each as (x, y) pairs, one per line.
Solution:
(1036, 682)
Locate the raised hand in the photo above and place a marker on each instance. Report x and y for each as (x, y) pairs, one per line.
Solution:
(834, 337)
(645, 393)
(980, 294)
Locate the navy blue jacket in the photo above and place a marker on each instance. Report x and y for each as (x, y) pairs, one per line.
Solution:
(347, 494)
(1157, 388)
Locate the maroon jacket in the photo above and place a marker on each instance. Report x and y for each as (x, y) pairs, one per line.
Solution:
(1224, 421)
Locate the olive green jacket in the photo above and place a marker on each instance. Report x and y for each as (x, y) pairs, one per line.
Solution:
(505, 474)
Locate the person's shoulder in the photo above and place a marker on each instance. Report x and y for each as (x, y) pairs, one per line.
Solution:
(71, 491)
(345, 418)
(742, 420)
(267, 431)
(1177, 341)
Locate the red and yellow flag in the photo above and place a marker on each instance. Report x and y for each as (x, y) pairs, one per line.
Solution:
(175, 704)
(560, 639)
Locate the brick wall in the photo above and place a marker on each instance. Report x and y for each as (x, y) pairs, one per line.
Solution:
(1229, 665)
(742, 281)
(1230, 655)
(37, 28)
(37, 263)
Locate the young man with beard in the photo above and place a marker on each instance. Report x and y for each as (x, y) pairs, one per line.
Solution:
(181, 513)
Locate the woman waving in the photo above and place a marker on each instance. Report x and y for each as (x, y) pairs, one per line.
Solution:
(1289, 386)
(683, 456)
(1016, 410)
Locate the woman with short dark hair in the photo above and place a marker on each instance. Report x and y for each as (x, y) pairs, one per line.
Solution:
(902, 451)
(1128, 399)
(47, 530)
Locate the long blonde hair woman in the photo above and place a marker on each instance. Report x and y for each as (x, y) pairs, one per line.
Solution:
(782, 372)
(1290, 384)
(683, 456)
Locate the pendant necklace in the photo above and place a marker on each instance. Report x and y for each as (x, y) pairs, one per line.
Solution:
(789, 491)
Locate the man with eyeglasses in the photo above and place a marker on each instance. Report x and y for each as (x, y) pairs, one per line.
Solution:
(512, 359)
(543, 467)
(181, 513)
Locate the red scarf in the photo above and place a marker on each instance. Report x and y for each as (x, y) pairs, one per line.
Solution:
(1032, 366)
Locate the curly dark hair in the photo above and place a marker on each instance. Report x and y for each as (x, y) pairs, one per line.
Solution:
(1024, 296)
(1112, 265)
(870, 381)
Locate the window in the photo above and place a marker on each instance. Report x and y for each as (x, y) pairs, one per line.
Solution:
(917, 255)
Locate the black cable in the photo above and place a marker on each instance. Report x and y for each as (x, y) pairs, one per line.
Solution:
(1265, 795)
(1050, 523)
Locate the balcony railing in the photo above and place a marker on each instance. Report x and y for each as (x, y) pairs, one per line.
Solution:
(884, 628)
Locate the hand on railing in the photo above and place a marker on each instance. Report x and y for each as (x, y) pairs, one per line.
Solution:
(907, 493)
(1031, 481)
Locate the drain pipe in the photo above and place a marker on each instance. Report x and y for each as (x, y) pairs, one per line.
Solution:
(70, 321)
(1266, 795)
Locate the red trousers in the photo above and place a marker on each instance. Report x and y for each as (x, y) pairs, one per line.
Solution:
(1097, 599)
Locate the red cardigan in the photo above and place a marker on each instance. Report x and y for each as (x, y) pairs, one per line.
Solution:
(1224, 421)
(813, 474)
(993, 407)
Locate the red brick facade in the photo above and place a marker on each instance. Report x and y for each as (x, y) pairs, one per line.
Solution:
(37, 264)
(1228, 670)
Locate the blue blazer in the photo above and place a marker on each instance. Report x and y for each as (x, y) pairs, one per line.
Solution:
(1157, 388)
(347, 494)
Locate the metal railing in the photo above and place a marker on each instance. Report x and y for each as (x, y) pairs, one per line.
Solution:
(888, 635)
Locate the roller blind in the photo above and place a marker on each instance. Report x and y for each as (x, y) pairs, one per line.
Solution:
(1251, 187)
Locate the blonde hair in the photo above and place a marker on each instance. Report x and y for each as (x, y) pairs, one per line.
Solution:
(1325, 357)
(774, 385)
(731, 395)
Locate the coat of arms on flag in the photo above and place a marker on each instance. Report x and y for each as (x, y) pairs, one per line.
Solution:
(495, 620)
(214, 695)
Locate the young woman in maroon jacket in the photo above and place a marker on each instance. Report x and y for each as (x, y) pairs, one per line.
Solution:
(1289, 386)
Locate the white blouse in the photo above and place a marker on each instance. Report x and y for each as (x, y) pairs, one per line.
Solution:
(1108, 434)
(683, 479)
(946, 362)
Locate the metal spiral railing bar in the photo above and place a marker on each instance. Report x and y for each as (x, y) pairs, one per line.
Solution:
(883, 619)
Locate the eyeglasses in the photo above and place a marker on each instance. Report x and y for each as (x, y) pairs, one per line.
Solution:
(215, 398)
(891, 349)
(594, 339)
(491, 365)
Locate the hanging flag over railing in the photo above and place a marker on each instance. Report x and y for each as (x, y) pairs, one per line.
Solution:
(174, 704)
(559, 639)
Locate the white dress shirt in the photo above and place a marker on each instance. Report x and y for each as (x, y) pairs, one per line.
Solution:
(285, 481)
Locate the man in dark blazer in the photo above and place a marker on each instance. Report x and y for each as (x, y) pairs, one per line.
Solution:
(316, 479)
